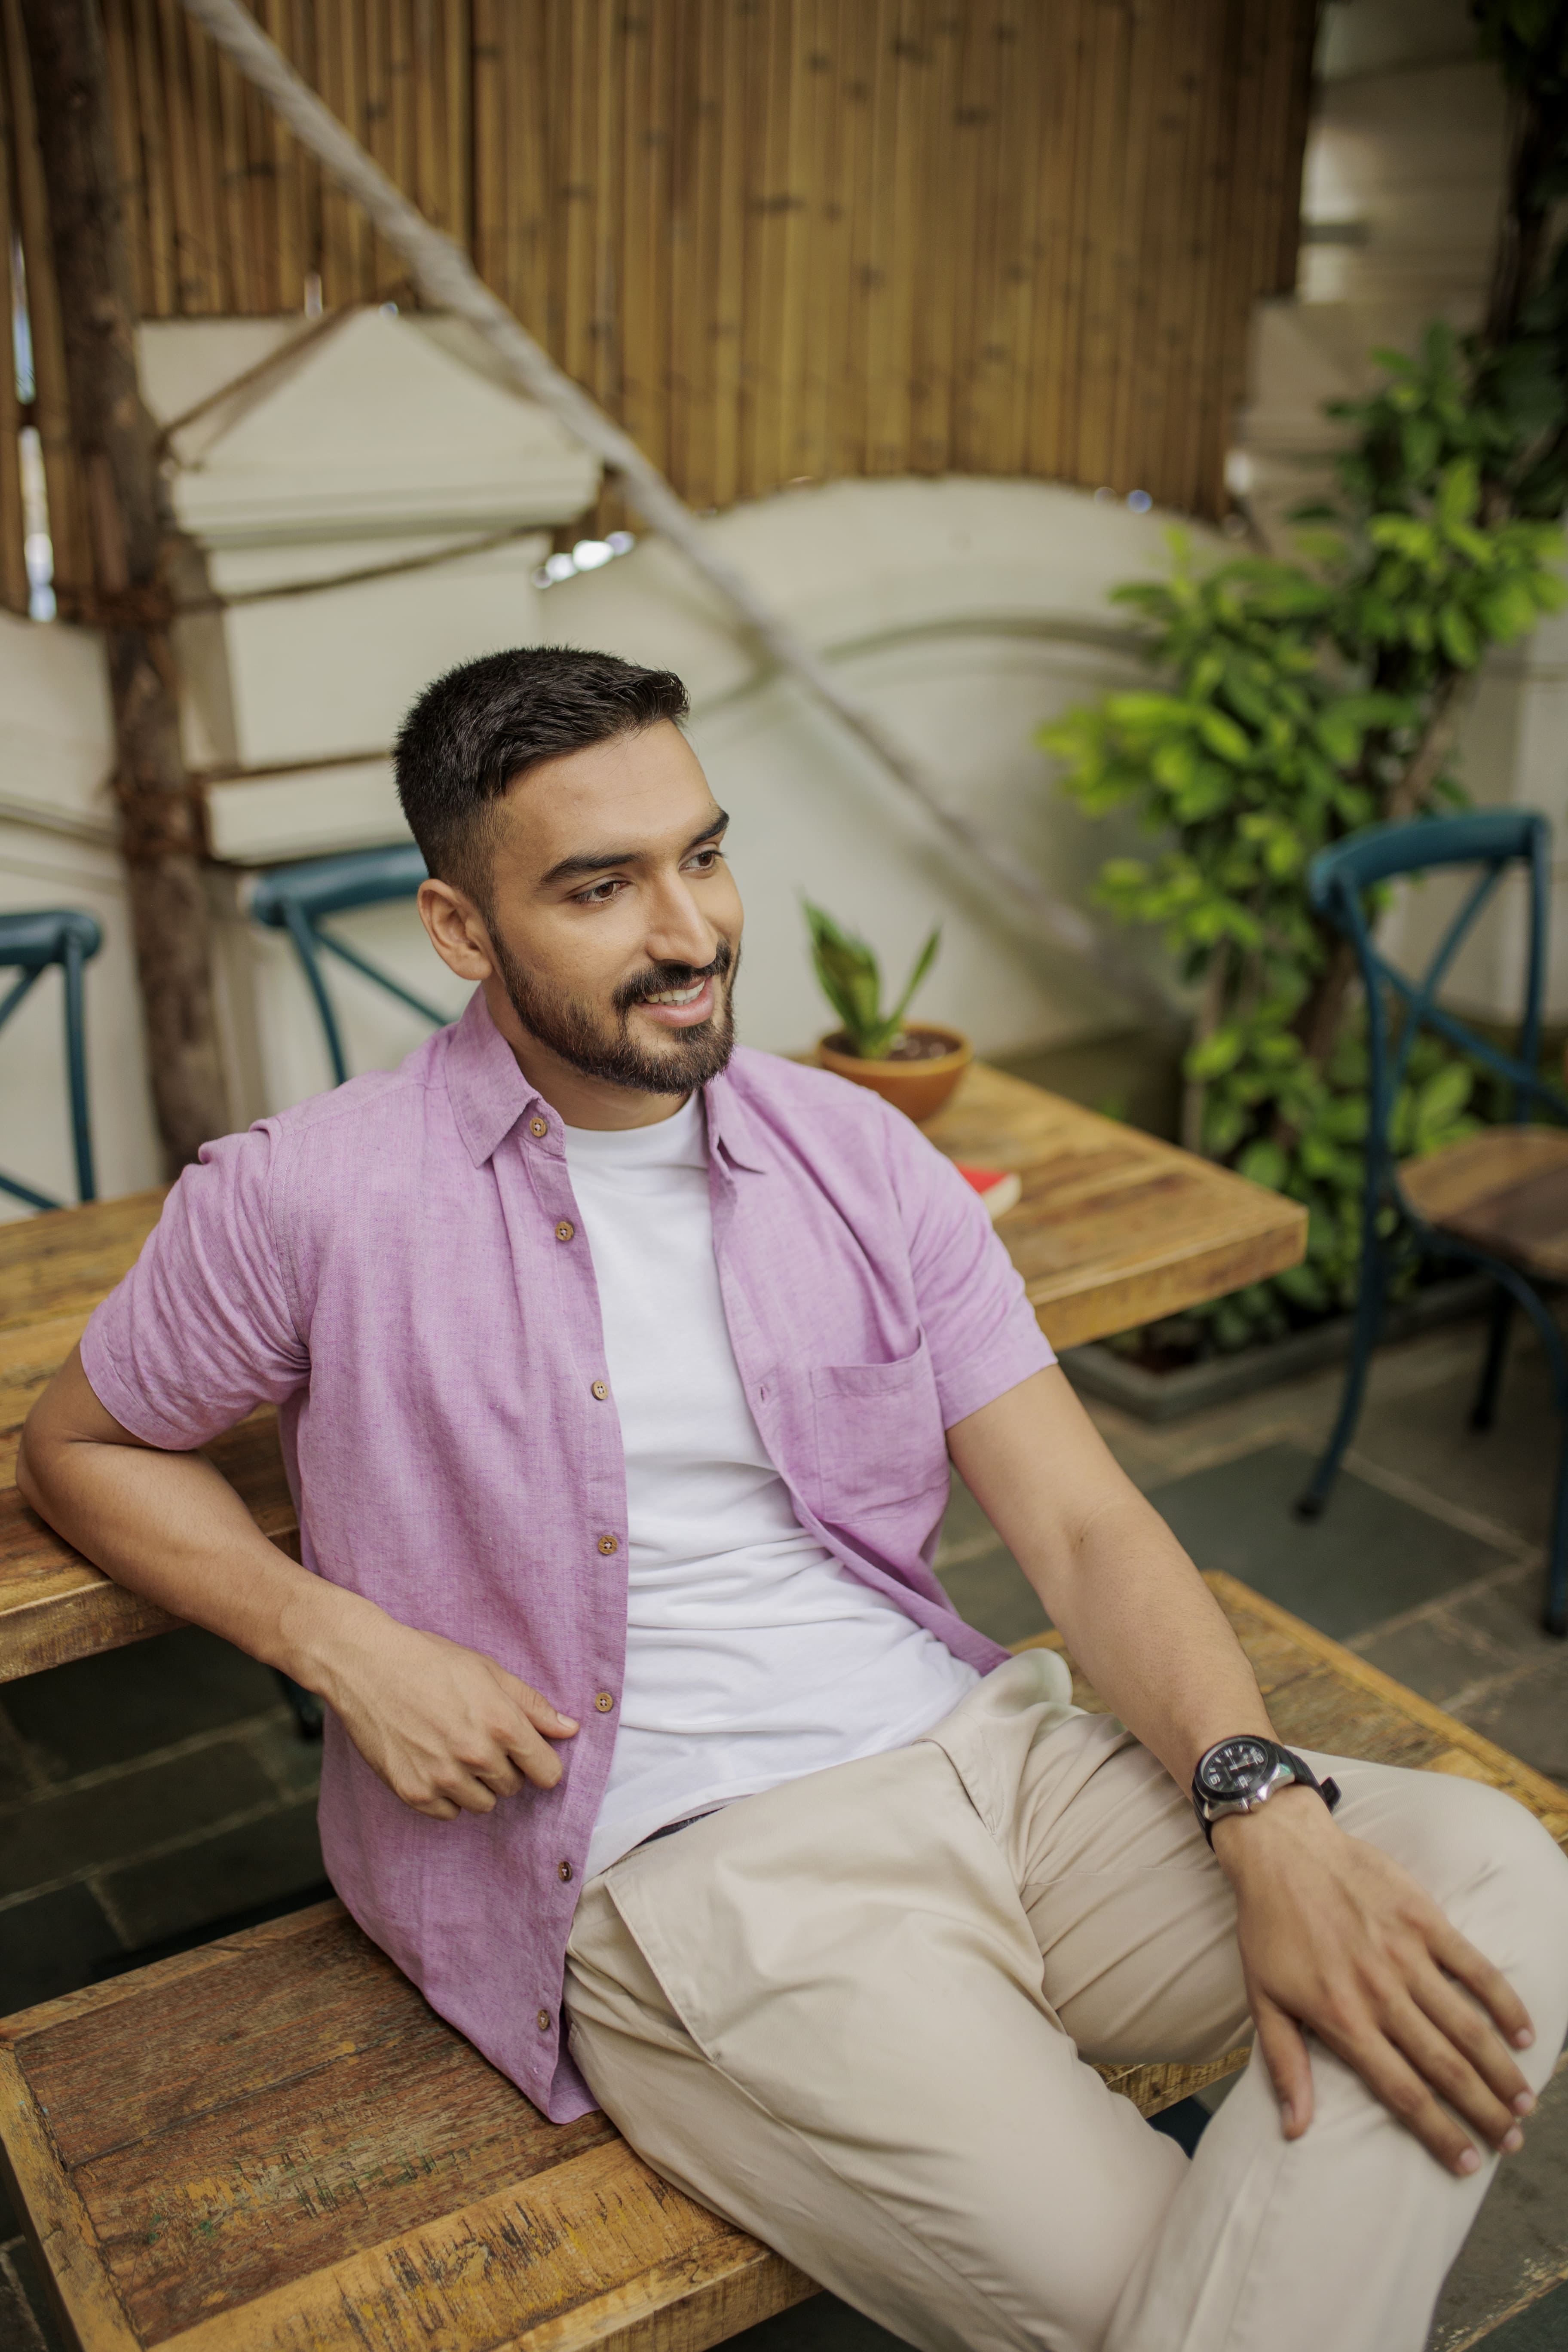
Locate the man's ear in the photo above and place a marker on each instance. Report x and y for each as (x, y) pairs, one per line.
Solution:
(456, 930)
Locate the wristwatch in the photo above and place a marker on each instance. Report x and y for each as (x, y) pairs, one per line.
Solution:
(1237, 1776)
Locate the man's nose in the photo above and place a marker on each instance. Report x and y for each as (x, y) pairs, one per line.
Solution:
(679, 933)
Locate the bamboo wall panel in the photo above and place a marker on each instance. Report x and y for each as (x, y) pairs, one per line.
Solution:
(777, 238)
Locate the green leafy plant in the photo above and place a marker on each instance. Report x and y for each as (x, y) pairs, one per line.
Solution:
(1298, 700)
(850, 979)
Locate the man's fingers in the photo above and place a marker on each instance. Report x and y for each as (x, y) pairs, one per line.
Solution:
(539, 1710)
(1490, 1987)
(1390, 2078)
(533, 1756)
(1447, 2071)
(1455, 2015)
(1290, 2069)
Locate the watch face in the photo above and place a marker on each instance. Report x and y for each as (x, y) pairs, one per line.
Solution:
(1234, 1766)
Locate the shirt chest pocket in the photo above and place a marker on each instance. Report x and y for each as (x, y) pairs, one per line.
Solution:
(879, 1436)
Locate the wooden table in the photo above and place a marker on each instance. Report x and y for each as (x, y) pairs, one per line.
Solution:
(274, 2142)
(1112, 1229)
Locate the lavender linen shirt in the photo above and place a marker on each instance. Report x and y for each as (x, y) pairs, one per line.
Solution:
(398, 1268)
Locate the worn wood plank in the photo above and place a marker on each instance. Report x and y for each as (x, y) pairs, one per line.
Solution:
(55, 1606)
(1506, 1189)
(64, 1262)
(57, 2222)
(599, 2239)
(276, 2143)
(1113, 1227)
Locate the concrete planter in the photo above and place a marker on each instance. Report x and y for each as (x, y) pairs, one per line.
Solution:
(1169, 1396)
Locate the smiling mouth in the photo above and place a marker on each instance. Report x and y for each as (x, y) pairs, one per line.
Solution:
(680, 995)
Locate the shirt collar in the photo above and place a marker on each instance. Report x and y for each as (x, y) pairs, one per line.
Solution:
(489, 1094)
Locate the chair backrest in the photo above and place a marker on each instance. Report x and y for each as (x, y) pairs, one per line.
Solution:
(30, 942)
(1339, 883)
(295, 899)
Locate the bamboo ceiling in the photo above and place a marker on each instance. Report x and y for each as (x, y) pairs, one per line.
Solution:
(777, 239)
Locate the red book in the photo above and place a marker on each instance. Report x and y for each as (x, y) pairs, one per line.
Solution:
(998, 1187)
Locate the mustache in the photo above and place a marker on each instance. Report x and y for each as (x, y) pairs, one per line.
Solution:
(660, 976)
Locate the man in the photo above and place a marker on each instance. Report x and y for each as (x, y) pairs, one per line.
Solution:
(619, 1375)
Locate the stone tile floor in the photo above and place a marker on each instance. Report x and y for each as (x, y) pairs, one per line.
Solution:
(148, 1796)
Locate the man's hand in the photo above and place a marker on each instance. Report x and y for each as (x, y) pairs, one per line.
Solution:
(448, 1730)
(1336, 1938)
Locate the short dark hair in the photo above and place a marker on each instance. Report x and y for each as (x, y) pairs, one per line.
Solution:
(485, 723)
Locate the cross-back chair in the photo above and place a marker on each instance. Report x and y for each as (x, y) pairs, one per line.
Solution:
(298, 900)
(1498, 1200)
(30, 945)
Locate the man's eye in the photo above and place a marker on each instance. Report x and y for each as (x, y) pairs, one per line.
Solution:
(706, 860)
(600, 893)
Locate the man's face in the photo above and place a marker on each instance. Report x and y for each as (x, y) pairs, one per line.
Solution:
(612, 922)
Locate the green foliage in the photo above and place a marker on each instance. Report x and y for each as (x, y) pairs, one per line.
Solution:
(1293, 699)
(849, 978)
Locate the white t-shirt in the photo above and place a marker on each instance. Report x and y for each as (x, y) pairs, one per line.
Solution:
(751, 1658)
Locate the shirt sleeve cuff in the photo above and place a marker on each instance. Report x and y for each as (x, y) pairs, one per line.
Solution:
(981, 1378)
(128, 1405)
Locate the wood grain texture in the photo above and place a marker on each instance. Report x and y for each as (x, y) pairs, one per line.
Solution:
(1113, 1227)
(1506, 1189)
(984, 237)
(275, 2143)
(64, 1262)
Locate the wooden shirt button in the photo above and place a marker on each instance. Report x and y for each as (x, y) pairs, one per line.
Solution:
(545, 2021)
(607, 1544)
(605, 1701)
(539, 1127)
(564, 1230)
(601, 1391)
(563, 1870)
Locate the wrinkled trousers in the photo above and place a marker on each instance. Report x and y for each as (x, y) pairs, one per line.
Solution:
(854, 2014)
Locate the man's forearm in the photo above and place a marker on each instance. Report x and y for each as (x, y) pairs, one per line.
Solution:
(1144, 1628)
(170, 1527)
(1133, 1610)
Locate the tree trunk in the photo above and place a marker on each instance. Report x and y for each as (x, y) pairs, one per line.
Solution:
(160, 823)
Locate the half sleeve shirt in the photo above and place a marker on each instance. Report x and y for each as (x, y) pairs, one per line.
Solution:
(399, 1266)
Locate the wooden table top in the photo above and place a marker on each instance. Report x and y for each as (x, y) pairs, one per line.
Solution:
(273, 2141)
(1114, 1228)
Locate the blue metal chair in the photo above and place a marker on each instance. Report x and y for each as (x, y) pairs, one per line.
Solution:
(296, 899)
(1498, 1199)
(29, 945)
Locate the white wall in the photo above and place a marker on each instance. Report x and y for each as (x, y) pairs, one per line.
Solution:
(56, 850)
(962, 612)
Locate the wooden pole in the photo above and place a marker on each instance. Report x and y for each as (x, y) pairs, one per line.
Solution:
(160, 829)
(445, 279)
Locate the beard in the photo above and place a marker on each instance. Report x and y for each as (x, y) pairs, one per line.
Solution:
(599, 1048)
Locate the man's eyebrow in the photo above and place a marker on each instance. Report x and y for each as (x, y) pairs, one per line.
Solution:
(595, 860)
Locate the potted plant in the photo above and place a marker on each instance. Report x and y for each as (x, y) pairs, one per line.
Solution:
(914, 1067)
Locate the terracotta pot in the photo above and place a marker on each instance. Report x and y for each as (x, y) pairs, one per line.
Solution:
(917, 1089)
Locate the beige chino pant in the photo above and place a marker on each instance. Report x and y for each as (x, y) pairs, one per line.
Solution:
(852, 2015)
